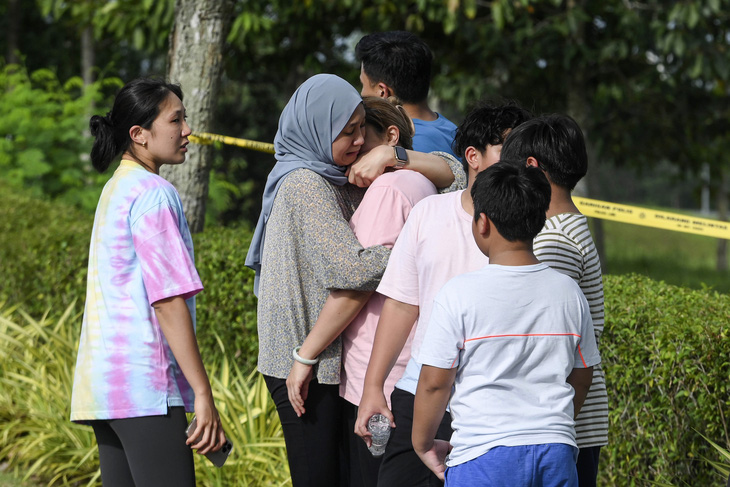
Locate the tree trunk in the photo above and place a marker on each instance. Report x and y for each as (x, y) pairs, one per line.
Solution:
(88, 61)
(87, 55)
(722, 208)
(11, 36)
(195, 61)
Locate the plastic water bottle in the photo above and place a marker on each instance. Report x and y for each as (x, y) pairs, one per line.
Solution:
(379, 427)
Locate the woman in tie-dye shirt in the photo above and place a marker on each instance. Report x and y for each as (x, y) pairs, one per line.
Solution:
(138, 368)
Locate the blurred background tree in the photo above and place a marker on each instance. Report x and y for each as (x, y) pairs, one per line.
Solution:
(647, 80)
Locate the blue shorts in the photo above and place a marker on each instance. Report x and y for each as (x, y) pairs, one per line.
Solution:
(550, 465)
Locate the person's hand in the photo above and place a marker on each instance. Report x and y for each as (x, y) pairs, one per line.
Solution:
(369, 166)
(297, 386)
(370, 404)
(208, 435)
(435, 457)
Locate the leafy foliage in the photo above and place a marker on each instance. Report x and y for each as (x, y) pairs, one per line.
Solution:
(723, 465)
(227, 307)
(666, 355)
(42, 141)
(249, 416)
(648, 80)
(146, 22)
(44, 250)
(38, 358)
(665, 351)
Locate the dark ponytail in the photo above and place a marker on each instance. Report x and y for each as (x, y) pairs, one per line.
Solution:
(104, 148)
(137, 103)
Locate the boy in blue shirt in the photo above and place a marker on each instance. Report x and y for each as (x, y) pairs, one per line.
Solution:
(397, 64)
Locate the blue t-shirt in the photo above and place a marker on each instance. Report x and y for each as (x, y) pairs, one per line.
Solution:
(437, 135)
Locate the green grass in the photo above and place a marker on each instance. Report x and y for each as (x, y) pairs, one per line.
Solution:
(10, 480)
(37, 441)
(681, 259)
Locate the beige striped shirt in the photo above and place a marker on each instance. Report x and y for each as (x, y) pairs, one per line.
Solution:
(566, 245)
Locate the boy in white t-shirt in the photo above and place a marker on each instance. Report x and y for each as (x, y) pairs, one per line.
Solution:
(514, 342)
(435, 245)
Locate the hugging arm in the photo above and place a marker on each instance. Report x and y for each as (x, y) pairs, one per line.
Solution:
(339, 310)
(371, 165)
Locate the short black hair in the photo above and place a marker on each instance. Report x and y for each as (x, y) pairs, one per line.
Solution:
(515, 197)
(486, 124)
(556, 142)
(399, 59)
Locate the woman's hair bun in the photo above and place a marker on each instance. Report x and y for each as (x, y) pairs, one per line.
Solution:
(97, 124)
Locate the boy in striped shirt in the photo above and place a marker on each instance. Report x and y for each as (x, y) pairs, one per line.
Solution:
(555, 144)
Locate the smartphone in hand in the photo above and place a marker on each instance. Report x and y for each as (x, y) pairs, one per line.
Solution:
(217, 457)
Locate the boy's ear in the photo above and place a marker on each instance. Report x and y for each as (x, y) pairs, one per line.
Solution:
(472, 157)
(384, 90)
(531, 161)
(483, 225)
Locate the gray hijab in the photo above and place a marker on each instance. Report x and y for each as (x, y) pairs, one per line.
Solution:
(314, 116)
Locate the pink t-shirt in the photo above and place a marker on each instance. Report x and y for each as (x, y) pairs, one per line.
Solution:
(378, 221)
(435, 245)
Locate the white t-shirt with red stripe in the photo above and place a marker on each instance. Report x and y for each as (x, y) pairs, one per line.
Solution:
(515, 333)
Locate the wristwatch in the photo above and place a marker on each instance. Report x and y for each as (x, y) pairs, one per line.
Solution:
(401, 157)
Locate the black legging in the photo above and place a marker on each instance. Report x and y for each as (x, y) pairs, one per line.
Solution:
(314, 442)
(363, 465)
(145, 451)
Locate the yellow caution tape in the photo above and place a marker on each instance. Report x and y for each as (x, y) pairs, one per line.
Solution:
(653, 218)
(592, 208)
(207, 139)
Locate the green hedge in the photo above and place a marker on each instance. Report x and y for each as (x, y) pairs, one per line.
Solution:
(666, 355)
(665, 350)
(44, 250)
(227, 306)
(44, 125)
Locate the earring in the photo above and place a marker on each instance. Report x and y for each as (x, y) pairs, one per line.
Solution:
(144, 144)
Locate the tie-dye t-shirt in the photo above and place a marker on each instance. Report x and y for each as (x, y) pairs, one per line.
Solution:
(141, 251)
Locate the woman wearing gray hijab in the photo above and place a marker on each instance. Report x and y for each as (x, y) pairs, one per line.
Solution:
(303, 247)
